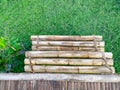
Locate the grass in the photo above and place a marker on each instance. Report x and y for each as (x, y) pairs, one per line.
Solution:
(19, 19)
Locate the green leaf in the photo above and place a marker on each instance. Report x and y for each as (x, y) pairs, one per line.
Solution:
(3, 44)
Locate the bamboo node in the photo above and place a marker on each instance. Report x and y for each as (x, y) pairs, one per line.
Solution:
(37, 46)
(95, 44)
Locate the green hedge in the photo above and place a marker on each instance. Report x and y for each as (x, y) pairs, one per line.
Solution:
(19, 19)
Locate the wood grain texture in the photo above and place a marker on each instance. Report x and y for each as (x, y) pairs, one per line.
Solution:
(57, 85)
(66, 38)
(65, 48)
(61, 61)
(67, 54)
(70, 69)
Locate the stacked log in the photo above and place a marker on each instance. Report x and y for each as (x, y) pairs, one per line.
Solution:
(65, 38)
(68, 54)
(70, 69)
(64, 61)
(67, 46)
(67, 43)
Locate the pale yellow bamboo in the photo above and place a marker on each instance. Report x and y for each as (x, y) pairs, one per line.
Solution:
(49, 61)
(27, 68)
(68, 54)
(92, 62)
(61, 69)
(65, 48)
(66, 38)
(60, 61)
(96, 70)
(70, 69)
(69, 43)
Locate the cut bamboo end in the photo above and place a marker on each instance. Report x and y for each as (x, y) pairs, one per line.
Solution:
(69, 43)
(60, 61)
(71, 69)
(68, 54)
(66, 38)
(64, 48)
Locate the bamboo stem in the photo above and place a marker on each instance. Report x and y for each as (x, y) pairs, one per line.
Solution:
(67, 54)
(70, 69)
(64, 48)
(60, 61)
(69, 43)
(66, 38)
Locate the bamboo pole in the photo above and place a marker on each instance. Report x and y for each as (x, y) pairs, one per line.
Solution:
(61, 61)
(67, 54)
(65, 48)
(66, 38)
(27, 68)
(70, 69)
(49, 61)
(69, 43)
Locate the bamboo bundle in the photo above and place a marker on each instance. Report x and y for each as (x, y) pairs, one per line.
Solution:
(66, 38)
(61, 61)
(64, 48)
(67, 54)
(70, 69)
(69, 43)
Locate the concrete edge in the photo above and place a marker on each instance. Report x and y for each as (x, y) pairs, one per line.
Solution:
(60, 77)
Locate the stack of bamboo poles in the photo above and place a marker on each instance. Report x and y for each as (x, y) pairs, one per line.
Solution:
(68, 54)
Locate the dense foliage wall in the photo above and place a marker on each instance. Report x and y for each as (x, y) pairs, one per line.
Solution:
(19, 19)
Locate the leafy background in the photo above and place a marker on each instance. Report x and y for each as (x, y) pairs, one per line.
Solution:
(19, 19)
